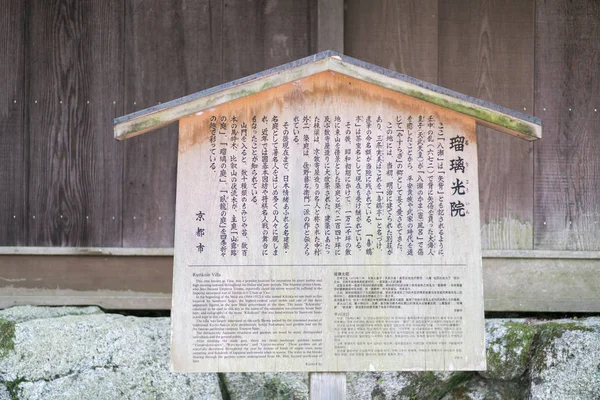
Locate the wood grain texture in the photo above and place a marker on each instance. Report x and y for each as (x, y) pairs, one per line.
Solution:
(541, 285)
(330, 25)
(173, 48)
(262, 34)
(14, 166)
(107, 281)
(73, 56)
(486, 51)
(87, 273)
(87, 251)
(398, 35)
(327, 386)
(567, 93)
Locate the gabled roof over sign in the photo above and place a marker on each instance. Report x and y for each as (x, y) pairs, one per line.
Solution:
(487, 114)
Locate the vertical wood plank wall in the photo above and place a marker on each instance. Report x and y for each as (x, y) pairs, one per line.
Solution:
(567, 93)
(398, 35)
(486, 51)
(73, 60)
(539, 57)
(67, 68)
(173, 48)
(13, 135)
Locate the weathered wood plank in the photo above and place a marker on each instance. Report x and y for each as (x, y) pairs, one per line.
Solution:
(258, 35)
(110, 300)
(541, 285)
(542, 254)
(74, 57)
(567, 92)
(542, 281)
(14, 161)
(107, 281)
(173, 48)
(398, 35)
(330, 25)
(327, 386)
(496, 63)
(87, 273)
(87, 251)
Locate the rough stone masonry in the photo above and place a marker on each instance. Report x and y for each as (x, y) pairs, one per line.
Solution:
(75, 353)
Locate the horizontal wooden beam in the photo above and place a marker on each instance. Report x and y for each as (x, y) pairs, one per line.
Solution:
(87, 251)
(538, 254)
(327, 386)
(542, 284)
(117, 278)
(112, 282)
(168, 251)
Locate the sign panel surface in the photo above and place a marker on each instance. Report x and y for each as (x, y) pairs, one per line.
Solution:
(328, 224)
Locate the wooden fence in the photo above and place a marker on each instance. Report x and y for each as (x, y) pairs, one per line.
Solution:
(67, 68)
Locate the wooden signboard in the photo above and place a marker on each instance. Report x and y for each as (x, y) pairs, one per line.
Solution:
(327, 219)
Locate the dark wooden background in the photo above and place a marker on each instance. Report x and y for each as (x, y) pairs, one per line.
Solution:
(68, 67)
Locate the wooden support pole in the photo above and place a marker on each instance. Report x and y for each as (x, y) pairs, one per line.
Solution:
(330, 36)
(327, 386)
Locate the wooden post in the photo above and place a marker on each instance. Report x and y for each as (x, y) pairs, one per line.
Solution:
(327, 386)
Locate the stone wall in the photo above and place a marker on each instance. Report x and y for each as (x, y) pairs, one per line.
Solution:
(83, 353)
